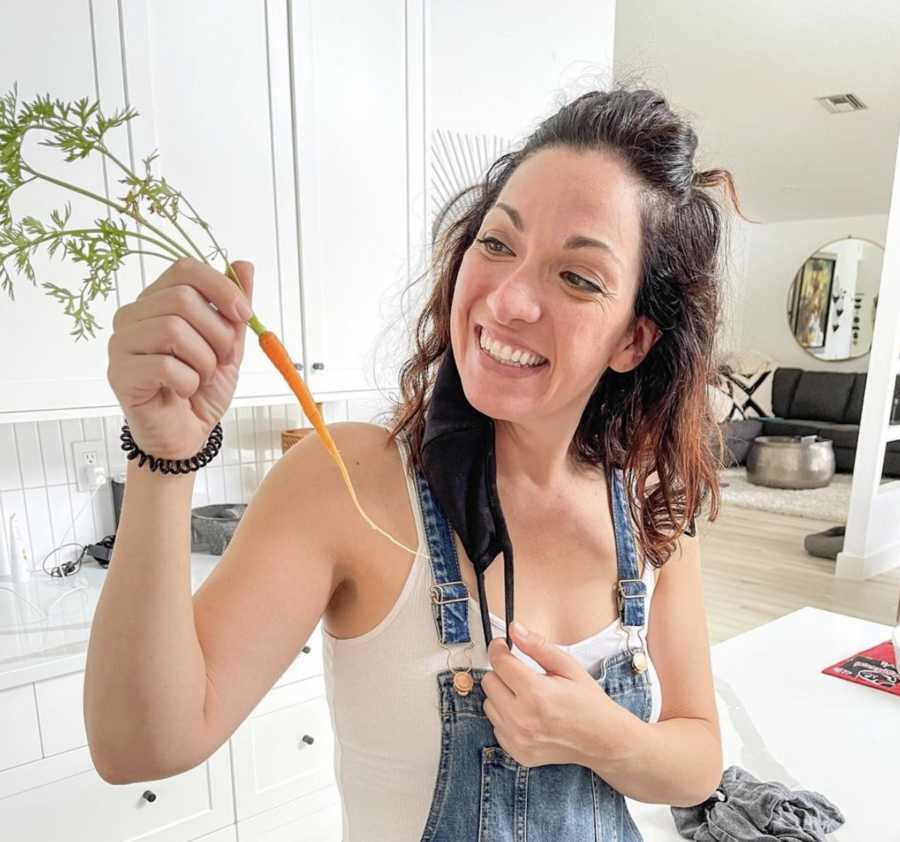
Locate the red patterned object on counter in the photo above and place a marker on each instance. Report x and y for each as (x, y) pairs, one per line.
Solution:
(873, 667)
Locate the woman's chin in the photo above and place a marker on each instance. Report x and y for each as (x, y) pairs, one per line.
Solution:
(499, 407)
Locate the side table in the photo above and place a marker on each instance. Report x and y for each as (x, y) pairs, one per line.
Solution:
(791, 461)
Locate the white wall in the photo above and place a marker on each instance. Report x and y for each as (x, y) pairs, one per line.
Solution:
(776, 252)
(501, 67)
(735, 254)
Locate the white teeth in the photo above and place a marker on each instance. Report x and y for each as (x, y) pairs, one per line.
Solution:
(504, 353)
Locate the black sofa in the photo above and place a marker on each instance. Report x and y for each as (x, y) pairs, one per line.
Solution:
(827, 403)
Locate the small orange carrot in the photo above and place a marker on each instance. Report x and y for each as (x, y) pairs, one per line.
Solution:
(274, 349)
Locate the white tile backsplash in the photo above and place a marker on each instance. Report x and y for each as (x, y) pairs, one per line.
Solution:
(10, 478)
(39, 522)
(52, 450)
(246, 434)
(26, 439)
(61, 513)
(228, 453)
(71, 431)
(38, 482)
(262, 427)
(278, 422)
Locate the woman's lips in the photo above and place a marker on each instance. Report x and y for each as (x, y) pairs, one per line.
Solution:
(480, 328)
(493, 365)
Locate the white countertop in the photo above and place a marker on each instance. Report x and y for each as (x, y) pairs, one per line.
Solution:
(783, 720)
(45, 624)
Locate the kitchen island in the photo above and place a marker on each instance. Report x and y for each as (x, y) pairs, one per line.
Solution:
(783, 720)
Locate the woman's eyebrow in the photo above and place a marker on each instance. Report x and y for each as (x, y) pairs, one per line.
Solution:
(576, 241)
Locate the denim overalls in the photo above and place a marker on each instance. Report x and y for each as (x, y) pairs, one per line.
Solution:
(481, 793)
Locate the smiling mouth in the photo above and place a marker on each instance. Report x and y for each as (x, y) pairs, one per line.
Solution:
(478, 332)
(510, 364)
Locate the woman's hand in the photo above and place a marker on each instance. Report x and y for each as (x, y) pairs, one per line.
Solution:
(540, 719)
(174, 359)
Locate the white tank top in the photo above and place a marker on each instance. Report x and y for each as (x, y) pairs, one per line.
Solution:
(383, 697)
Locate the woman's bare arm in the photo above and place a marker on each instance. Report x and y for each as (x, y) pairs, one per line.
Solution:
(169, 676)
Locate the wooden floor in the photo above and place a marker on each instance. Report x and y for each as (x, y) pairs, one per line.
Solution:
(756, 570)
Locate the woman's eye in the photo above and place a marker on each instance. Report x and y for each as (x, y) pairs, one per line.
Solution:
(587, 285)
(486, 240)
(580, 283)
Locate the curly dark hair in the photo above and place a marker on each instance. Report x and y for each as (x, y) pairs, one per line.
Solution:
(656, 417)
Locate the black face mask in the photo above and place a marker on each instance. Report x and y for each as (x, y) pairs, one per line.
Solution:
(459, 463)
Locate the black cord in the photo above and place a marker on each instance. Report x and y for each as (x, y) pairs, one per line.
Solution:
(173, 466)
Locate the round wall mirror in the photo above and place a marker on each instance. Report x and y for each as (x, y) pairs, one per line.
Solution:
(833, 299)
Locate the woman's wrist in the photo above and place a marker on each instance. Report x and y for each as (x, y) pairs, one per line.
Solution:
(172, 464)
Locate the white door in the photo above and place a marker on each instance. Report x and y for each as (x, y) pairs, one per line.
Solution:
(214, 87)
(350, 98)
(60, 50)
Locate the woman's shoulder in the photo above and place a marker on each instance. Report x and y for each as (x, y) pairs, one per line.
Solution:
(370, 442)
(362, 439)
(373, 461)
(369, 453)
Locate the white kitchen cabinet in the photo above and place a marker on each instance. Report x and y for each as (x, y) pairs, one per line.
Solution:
(291, 123)
(51, 48)
(360, 178)
(273, 779)
(289, 126)
(312, 818)
(212, 92)
(286, 746)
(212, 83)
(84, 808)
(275, 771)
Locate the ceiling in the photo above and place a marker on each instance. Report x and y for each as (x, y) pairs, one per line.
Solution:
(747, 76)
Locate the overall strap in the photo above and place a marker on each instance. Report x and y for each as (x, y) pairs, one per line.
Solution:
(631, 589)
(449, 595)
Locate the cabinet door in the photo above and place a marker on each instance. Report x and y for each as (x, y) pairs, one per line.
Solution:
(314, 817)
(57, 50)
(63, 798)
(349, 63)
(213, 87)
(213, 95)
(285, 748)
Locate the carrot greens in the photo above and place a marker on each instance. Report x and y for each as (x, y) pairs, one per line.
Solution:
(149, 217)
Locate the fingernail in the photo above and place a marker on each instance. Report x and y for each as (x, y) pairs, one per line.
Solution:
(242, 308)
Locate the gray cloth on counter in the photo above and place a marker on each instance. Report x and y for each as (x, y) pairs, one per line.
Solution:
(744, 809)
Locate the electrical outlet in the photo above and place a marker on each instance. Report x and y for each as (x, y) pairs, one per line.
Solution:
(85, 456)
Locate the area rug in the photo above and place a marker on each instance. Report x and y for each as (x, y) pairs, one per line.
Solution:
(830, 503)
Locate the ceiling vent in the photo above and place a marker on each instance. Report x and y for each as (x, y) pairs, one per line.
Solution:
(839, 103)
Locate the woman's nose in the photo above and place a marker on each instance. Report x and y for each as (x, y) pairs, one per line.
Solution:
(515, 297)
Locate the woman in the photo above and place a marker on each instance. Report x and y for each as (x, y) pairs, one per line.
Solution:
(617, 339)
(574, 310)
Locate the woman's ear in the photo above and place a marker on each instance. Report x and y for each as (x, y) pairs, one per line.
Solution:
(636, 344)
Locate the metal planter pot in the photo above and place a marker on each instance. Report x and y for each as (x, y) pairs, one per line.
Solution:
(791, 462)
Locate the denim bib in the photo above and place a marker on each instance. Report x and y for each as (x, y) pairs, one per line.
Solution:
(481, 792)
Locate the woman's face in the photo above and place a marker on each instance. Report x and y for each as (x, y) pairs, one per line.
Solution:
(572, 306)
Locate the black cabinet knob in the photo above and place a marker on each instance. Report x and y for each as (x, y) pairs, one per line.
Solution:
(318, 366)
(308, 740)
(306, 650)
(149, 795)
